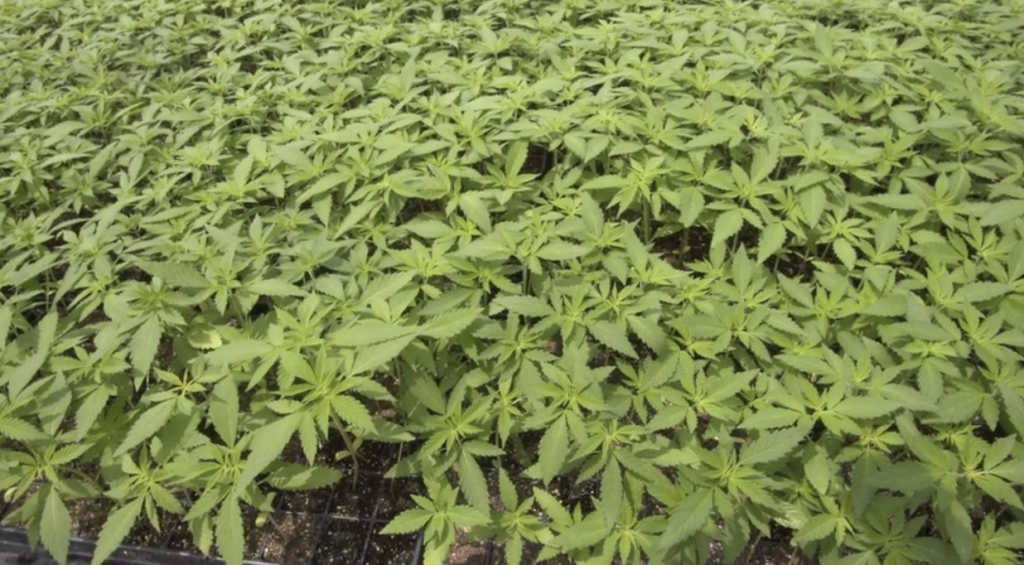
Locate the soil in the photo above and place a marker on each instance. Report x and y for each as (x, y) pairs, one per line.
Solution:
(181, 539)
(289, 539)
(343, 542)
(396, 496)
(357, 496)
(88, 516)
(465, 551)
(377, 456)
(309, 502)
(256, 538)
(530, 552)
(390, 550)
(143, 534)
(773, 553)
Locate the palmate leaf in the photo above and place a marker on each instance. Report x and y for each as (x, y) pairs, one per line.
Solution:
(19, 430)
(265, 448)
(524, 305)
(611, 493)
(771, 240)
(450, 324)
(727, 225)
(817, 528)
(231, 532)
(408, 522)
(374, 356)
(613, 336)
(115, 529)
(145, 343)
(352, 412)
(554, 446)
(300, 477)
(55, 526)
(473, 482)
(369, 332)
(688, 517)
(274, 287)
(147, 425)
(562, 251)
(175, 274)
(589, 531)
(773, 446)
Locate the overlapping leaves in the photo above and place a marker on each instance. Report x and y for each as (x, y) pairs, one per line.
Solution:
(744, 267)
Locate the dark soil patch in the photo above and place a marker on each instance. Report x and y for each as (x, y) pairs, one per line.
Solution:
(256, 538)
(773, 553)
(292, 539)
(342, 543)
(181, 538)
(309, 502)
(357, 496)
(466, 551)
(530, 552)
(88, 516)
(376, 456)
(390, 550)
(143, 534)
(396, 496)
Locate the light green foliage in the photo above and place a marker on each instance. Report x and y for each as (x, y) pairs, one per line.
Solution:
(742, 267)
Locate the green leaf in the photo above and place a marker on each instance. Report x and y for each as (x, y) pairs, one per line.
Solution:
(467, 516)
(905, 476)
(611, 493)
(293, 476)
(772, 446)
(116, 528)
(473, 483)
(845, 252)
(55, 526)
(274, 287)
(369, 332)
(689, 516)
(352, 412)
(562, 251)
(772, 238)
(768, 418)
(612, 336)
(585, 533)
(818, 471)
(981, 291)
(525, 305)
(959, 529)
(145, 343)
(231, 532)
(293, 156)
(19, 430)
(224, 410)
(409, 521)
(147, 425)
(816, 528)
(373, 357)
(265, 448)
(866, 407)
(1002, 212)
(553, 448)
(175, 274)
(451, 323)
(709, 139)
(999, 490)
(727, 225)
(552, 507)
(812, 202)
